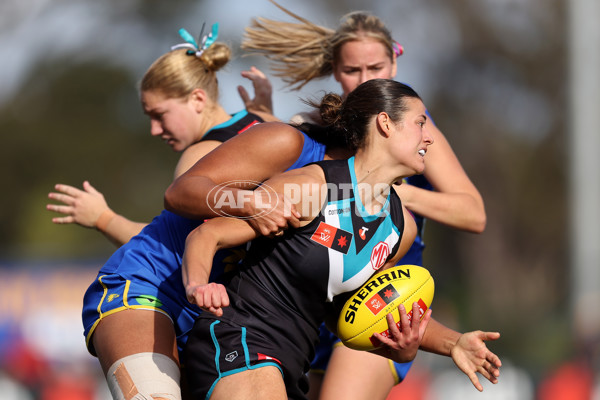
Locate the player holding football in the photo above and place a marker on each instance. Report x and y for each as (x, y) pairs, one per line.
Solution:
(265, 326)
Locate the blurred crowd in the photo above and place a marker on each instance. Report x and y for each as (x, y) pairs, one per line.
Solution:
(43, 355)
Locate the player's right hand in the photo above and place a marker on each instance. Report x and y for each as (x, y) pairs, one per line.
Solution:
(82, 207)
(271, 213)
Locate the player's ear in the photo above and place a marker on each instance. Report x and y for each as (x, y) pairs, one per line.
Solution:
(198, 98)
(384, 123)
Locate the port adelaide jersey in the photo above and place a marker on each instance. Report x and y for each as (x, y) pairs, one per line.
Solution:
(300, 273)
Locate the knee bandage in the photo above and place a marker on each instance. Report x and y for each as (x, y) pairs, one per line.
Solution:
(144, 376)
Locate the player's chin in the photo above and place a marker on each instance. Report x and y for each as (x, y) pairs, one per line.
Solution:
(176, 145)
(419, 168)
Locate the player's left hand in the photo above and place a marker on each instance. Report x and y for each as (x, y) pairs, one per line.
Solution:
(211, 297)
(471, 355)
(262, 100)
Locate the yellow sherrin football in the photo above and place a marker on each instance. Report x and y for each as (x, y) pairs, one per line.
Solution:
(364, 313)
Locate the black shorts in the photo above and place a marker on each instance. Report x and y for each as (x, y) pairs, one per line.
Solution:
(217, 348)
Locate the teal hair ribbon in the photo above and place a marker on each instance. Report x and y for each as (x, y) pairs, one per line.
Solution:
(207, 41)
(191, 43)
(185, 35)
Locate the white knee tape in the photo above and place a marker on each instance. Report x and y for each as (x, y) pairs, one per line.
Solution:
(144, 376)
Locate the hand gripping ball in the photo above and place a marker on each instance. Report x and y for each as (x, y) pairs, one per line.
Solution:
(365, 312)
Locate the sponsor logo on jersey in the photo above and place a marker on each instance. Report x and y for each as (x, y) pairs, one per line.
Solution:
(332, 237)
(362, 233)
(386, 333)
(366, 229)
(231, 356)
(338, 211)
(379, 255)
(381, 299)
(264, 357)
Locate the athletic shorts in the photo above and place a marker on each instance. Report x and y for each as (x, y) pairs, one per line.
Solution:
(145, 273)
(328, 341)
(111, 293)
(217, 348)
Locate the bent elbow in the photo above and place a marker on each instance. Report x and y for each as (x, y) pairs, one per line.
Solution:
(479, 223)
(169, 199)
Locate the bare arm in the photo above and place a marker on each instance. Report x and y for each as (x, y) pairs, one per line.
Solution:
(455, 201)
(222, 232)
(87, 206)
(200, 248)
(468, 351)
(89, 209)
(253, 156)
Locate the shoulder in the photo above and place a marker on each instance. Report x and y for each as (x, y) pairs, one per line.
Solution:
(194, 153)
(312, 173)
(259, 152)
(278, 135)
(307, 175)
(305, 188)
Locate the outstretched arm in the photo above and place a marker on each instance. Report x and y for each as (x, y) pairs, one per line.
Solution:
(244, 161)
(468, 351)
(455, 201)
(89, 209)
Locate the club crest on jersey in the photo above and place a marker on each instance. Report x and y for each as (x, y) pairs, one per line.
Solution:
(379, 255)
(332, 237)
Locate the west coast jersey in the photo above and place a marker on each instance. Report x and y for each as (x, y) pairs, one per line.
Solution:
(146, 271)
(287, 285)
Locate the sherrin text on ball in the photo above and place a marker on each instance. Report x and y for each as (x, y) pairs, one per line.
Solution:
(365, 312)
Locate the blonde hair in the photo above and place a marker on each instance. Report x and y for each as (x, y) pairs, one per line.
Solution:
(176, 74)
(302, 51)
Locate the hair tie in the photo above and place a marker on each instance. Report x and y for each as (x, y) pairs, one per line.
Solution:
(398, 49)
(192, 45)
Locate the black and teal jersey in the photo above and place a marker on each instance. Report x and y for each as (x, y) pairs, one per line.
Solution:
(287, 285)
(238, 123)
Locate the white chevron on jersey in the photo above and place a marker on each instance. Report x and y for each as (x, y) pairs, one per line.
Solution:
(359, 266)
